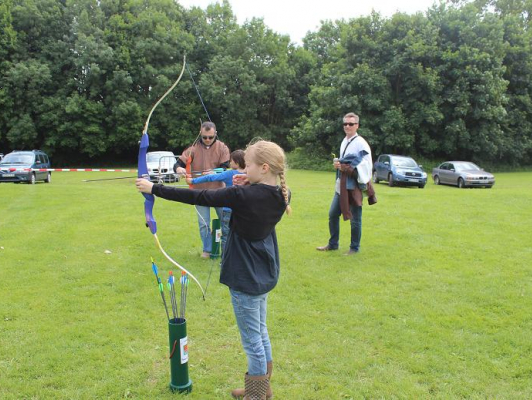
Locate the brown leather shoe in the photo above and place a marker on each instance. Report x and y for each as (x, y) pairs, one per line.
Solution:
(325, 248)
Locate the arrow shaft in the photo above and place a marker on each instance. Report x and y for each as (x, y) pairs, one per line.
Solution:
(108, 179)
(165, 306)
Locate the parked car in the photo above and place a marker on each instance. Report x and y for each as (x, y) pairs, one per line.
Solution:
(399, 170)
(462, 174)
(161, 166)
(25, 166)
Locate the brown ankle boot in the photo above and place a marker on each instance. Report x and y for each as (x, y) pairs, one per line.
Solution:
(269, 392)
(241, 392)
(256, 387)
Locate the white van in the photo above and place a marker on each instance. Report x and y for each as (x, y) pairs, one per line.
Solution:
(161, 166)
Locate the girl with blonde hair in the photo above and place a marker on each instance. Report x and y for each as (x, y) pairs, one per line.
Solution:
(250, 263)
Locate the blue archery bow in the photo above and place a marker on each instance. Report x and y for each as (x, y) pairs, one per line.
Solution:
(149, 199)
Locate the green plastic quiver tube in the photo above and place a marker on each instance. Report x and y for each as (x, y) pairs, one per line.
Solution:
(216, 238)
(177, 329)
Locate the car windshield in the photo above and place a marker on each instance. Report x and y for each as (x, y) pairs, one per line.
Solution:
(17, 159)
(466, 166)
(155, 157)
(404, 162)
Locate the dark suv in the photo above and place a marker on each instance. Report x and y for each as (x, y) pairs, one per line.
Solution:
(25, 166)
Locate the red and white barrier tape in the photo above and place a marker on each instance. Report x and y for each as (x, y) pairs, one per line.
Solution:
(69, 170)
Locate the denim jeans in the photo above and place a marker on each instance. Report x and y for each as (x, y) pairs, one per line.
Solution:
(250, 313)
(226, 217)
(204, 223)
(334, 224)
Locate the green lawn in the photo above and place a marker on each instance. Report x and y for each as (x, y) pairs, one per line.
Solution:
(437, 304)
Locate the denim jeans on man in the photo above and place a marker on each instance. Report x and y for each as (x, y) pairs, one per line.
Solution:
(250, 313)
(226, 218)
(334, 224)
(204, 223)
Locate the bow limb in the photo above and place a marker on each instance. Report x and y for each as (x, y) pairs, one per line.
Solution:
(149, 199)
(177, 264)
(165, 94)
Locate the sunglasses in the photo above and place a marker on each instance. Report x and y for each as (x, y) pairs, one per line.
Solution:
(350, 123)
(207, 137)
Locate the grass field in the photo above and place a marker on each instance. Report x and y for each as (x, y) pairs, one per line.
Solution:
(437, 305)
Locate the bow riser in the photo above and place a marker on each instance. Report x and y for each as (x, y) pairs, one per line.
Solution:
(149, 199)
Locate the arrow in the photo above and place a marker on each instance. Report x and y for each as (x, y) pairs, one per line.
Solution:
(160, 285)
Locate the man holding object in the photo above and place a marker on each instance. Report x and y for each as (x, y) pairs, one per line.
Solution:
(353, 177)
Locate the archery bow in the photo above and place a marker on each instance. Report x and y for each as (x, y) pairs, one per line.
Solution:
(149, 199)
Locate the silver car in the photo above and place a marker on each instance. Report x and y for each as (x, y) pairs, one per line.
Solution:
(462, 174)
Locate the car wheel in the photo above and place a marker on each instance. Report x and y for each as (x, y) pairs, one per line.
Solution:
(421, 186)
(375, 179)
(32, 179)
(390, 180)
(461, 183)
(48, 178)
(489, 187)
(436, 180)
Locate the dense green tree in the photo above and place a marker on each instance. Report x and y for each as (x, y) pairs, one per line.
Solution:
(31, 52)
(27, 83)
(471, 72)
(8, 35)
(78, 78)
(517, 126)
(249, 87)
(435, 85)
(232, 90)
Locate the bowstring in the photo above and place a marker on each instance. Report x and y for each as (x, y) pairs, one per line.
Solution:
(195, 142)
(198, 92)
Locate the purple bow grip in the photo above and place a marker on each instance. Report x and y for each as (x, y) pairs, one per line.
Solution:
(149, 199)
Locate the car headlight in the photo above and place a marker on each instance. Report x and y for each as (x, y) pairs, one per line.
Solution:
(400, 171)
(470, 178)
(424, 174)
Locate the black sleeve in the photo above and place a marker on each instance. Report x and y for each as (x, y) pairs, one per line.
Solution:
(225, 165)
(226, 197)
(178, 164)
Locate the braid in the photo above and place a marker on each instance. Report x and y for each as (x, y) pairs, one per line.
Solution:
(284, 190)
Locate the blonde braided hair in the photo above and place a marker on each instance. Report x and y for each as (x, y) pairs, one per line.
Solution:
(284, 190)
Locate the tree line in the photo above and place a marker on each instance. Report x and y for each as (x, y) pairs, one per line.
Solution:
(78, 78)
